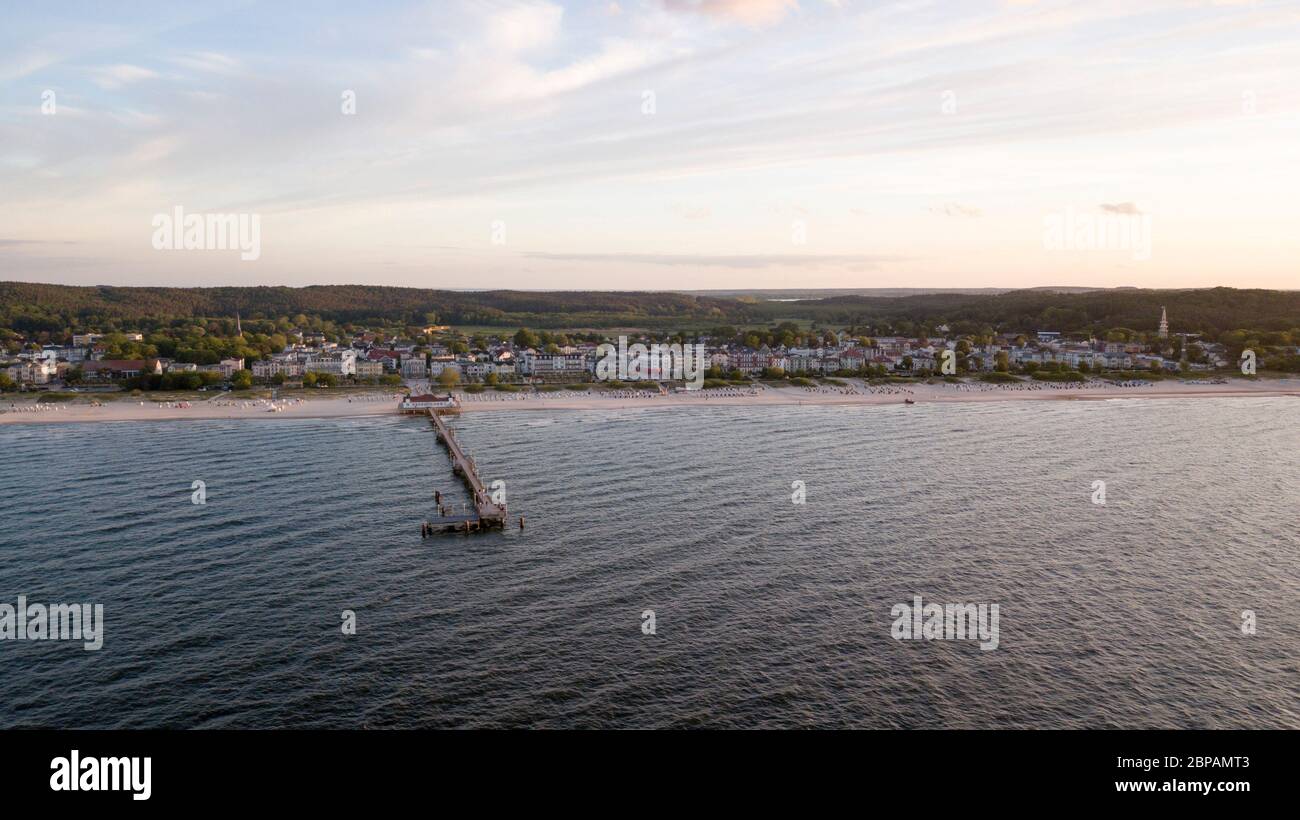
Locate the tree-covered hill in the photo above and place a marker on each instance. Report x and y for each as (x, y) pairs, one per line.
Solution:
(28, 308)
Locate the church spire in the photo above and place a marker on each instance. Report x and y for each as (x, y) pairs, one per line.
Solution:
(1164, 323)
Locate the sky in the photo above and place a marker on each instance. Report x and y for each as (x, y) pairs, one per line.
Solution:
(654, 144)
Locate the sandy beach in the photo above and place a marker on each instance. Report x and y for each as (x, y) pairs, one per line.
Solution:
(25, 410)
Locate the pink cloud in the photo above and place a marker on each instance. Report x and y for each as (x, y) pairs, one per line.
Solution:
(749, 12)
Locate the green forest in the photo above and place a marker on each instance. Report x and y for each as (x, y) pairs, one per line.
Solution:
(35, 309)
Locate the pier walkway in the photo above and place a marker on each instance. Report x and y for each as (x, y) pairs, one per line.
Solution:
(486, 512)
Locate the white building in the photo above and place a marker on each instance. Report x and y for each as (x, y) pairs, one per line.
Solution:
(475, 370)
(337, 362)
(427, 401)
(42, 354)
(277, 367)
(555, 364)
(414, 367)
(229, 367)
(35, 372)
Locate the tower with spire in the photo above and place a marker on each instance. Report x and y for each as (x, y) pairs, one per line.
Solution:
(1164, 323)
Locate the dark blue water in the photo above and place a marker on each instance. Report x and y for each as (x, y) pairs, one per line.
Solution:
(768, 613)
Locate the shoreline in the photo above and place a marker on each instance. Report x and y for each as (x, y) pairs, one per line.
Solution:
(857, 393)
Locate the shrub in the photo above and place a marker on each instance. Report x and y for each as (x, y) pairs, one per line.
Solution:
(999, 378)
(1060, 376)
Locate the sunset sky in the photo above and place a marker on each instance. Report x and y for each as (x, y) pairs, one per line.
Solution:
(653, 144)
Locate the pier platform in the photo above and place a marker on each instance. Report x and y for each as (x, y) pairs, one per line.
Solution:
(486, 514)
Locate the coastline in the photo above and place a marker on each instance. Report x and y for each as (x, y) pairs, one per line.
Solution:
(857, 394)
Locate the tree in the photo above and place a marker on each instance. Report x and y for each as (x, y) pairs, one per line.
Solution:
(525, 338)
(242, 380)
(182, 380)
(491, 378)
(449, 377)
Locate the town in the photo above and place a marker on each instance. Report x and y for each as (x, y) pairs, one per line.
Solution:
(482, 360)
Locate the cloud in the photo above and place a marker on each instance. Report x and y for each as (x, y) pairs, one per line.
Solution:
(116, 76)
(209, 62)
(693, 213)
(615, 57)
(14, 243)
(522, 111)
(748, 12)
(957, 209)
(1120, 208)
(523, 27)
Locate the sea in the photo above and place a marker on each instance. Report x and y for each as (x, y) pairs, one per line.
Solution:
(678, 567)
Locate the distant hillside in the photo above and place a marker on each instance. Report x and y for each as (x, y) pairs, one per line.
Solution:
(781, 294)
(29, 308)
(1210, 310)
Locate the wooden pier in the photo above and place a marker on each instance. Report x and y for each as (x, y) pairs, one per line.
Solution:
(486, 513)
